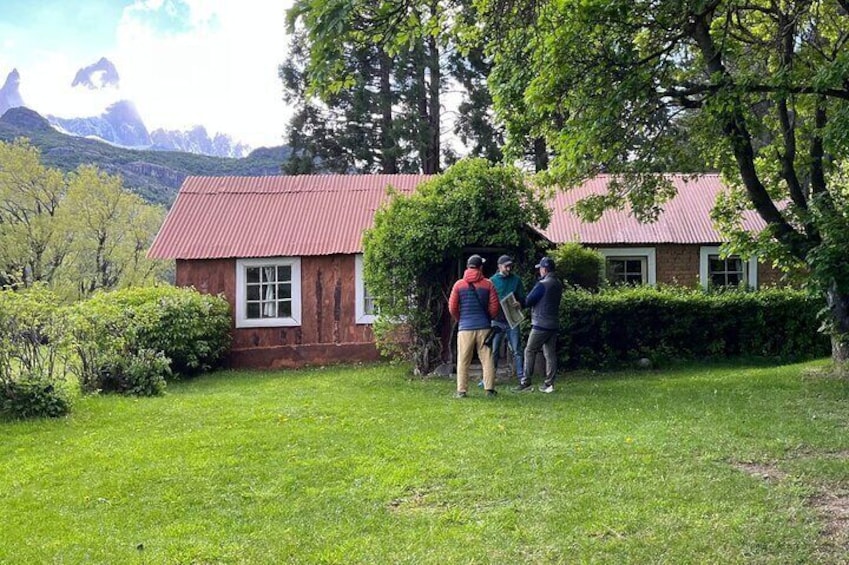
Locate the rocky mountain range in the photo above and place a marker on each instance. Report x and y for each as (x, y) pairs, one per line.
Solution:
(154, 175)
(120, 123)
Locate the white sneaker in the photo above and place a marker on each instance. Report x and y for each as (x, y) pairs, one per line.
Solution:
(546, 388)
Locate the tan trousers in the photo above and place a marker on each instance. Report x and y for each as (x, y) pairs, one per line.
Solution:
(467, 342)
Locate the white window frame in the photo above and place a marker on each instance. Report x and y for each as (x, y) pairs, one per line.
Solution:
(242, 321)
(360, 314)
(750, 267)
(647, 253)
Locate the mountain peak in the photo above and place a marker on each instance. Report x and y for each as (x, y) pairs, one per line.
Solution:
(99, 75)
(10, 97)
(25, 119)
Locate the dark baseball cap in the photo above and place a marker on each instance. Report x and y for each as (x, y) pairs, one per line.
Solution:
(475, 261)
(505, 260)
(545, 263)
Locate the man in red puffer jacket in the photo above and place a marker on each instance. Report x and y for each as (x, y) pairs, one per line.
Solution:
(473, 304)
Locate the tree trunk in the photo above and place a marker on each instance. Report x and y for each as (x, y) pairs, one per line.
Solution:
(838, 306)
(434, 110)
(540, 155)
(388, 157)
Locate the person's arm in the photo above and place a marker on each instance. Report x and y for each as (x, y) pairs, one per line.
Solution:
(535, 295)
(494, 305)
(454, 302)
(520, 293)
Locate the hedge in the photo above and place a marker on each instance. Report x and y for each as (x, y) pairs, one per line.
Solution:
(619, 326)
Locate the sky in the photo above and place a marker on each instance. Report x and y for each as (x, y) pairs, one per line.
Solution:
(181, 62)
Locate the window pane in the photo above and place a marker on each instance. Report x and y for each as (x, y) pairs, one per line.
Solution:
(253, 310)
(268, 292)
(733, 279)
(634, 278)
(716, 264)
(268, 274)
(615, 266)
(284, 273)
(253, 292)
(369, 306)
(735, 264)
(284, 309)
(717, 279)
(252, 274)
(634, 266)
(284, 291)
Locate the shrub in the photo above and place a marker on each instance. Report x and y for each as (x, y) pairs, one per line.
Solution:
(618, 326)
(578, 266)
(192, 329)
(34, 395)
(96, 333)
(125, 338)
(32, 378)
(143, 373)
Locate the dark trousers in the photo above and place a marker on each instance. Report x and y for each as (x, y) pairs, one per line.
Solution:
(545, 340)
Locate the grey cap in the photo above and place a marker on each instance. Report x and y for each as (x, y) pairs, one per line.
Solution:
(505, 260)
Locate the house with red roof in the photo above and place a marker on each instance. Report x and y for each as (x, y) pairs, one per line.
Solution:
(286, 252)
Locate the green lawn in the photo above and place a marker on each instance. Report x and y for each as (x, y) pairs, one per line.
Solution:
(702, 464)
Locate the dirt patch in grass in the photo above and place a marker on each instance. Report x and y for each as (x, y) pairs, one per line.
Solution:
(831, 503)
(763, 471)
(416, 500)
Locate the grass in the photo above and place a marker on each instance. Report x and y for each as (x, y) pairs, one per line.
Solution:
(701, 464)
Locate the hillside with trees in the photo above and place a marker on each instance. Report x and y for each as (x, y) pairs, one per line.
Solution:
(154, 175)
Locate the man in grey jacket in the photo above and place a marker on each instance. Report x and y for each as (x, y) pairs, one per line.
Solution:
(544, 302)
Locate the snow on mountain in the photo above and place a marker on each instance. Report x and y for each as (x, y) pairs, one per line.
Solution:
(10, 96)
(99, 75)
(102, 112)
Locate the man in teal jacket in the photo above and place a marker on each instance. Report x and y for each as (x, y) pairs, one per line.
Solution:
(506, 281)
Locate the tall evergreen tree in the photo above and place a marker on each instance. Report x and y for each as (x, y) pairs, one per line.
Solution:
(369, 81)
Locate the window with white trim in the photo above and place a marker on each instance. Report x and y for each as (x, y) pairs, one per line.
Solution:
(630, 265)
(268, 292)
(716, 270)
(365, 312)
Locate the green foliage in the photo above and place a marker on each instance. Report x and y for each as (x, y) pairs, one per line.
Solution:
(369, 82)
(578, 265)
(97, 336)
(32, 379)
(142, 373)
(78, 232)
(119, 335)
(192, 329)
(411, 253)
(620, 325)
(34, 395)
(153, 175)
(758, 92)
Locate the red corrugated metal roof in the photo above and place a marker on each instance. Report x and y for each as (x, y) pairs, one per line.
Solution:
(218, 217)
(685, 218)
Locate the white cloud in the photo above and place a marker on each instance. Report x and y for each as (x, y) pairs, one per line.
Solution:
(220, 72)
(183, 63)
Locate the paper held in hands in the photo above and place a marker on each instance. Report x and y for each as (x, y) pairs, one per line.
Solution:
(512, 310)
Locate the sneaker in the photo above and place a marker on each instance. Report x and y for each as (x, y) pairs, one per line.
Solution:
(546, 388)
(492, 393)
(524, 387)
(480, 384)
(460, 394)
